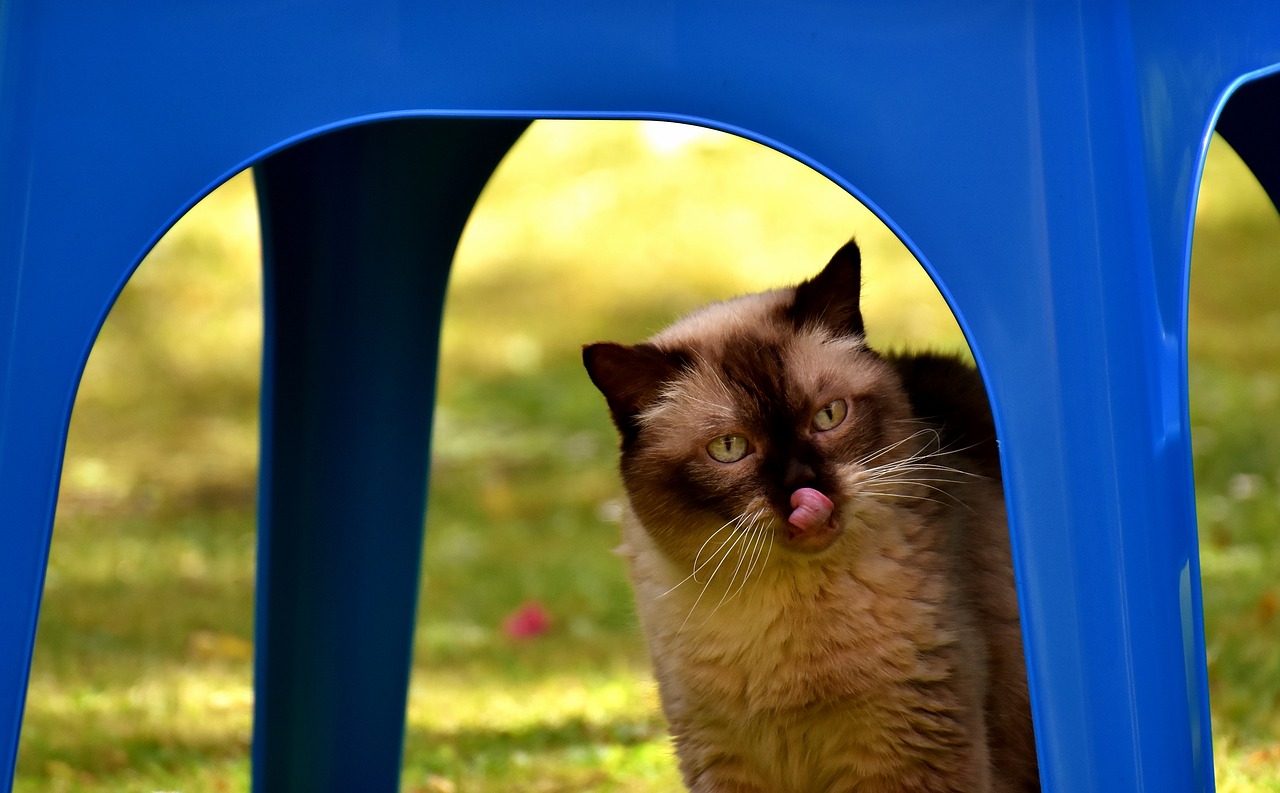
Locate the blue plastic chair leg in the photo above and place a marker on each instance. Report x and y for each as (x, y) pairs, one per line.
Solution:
(44, 362)
(48, 319)
(1250, 122)
(359, 228)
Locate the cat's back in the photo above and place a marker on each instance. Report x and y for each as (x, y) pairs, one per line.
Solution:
(947, 394)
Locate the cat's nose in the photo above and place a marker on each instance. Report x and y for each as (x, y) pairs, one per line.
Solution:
(798, 474)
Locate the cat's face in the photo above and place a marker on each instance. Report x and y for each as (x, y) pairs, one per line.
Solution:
(759, 417)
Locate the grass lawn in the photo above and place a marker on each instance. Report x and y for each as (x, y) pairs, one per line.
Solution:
(588, 231)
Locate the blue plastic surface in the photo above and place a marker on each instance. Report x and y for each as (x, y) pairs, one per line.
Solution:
(1040, 158)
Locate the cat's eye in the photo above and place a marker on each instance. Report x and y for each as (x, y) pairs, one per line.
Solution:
(728, 448)
(831, 415)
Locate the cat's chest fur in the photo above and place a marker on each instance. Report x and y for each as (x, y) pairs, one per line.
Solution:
(797, 633)
(820, 670)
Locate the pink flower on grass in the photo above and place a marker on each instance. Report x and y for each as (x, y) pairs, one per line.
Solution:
(527, 622)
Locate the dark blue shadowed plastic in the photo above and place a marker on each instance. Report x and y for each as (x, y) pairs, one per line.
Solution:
(1040, 158)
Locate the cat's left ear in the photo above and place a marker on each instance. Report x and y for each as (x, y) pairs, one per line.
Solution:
(831, 298)
(630, 377)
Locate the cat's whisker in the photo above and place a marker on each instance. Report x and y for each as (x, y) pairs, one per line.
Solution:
(769, 540)
(678, 584)
(885, 450)
(749, 543)
(927, 472)
(921, 456)
(950, 469)
(758, 531)
(693, 608)
(697, 566)
(910, 472)
(923, 461)
(908, 496)
(765, 538)
(719, 553)
(906, 478)
(757, 542)
(737, 537)
(924, 457)
(736, 523)
(922, 483)
(749, 535)
(947, 452)
(765, 544)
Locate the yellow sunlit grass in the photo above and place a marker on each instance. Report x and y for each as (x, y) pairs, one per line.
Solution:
(587, 221)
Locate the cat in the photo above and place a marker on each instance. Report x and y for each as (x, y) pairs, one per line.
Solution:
(817, 543)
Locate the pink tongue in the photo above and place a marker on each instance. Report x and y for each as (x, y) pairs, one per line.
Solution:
(810, 509)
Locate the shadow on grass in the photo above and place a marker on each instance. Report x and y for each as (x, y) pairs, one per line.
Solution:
(574, 754)
(590, 752)
(540, 737)
(121, 759)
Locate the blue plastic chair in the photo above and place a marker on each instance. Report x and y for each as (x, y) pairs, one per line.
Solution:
(1040, 158)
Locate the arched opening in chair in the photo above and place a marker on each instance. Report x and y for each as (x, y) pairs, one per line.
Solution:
(588, 230)
(591, 231)
(1234, 371)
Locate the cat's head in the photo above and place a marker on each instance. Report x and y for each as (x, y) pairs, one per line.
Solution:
(760, 414)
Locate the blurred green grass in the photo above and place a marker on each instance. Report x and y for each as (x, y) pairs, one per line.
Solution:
(589, 230)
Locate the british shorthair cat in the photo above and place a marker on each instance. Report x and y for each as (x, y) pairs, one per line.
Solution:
(817, 542)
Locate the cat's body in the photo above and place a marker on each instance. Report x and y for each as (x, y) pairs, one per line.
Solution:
(817, 542)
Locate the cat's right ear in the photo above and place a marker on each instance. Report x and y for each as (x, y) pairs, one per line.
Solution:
(630, 377)
(832, 298)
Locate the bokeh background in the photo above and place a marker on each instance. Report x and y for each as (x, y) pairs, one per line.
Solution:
(588, 231)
